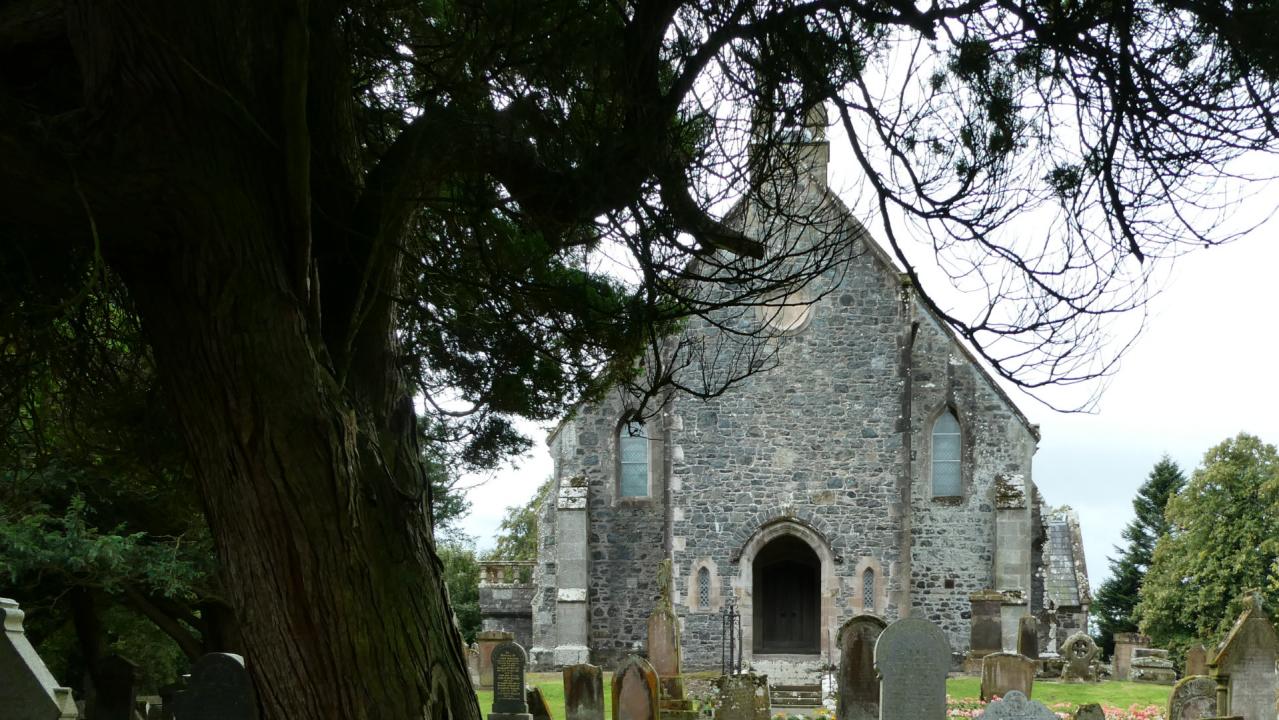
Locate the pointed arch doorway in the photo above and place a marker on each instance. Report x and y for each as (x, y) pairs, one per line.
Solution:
(787, 590)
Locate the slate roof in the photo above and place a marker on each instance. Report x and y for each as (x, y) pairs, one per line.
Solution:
(1065, 571)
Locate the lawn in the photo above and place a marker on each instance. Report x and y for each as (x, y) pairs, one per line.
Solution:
(1112, 694)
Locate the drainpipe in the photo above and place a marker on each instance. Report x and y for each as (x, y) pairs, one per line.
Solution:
(905, 370)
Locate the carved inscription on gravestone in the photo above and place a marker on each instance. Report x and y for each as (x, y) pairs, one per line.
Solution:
(508, 660)
(912, 657)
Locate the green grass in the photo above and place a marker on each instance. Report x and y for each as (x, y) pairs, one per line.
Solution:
(1119, 694)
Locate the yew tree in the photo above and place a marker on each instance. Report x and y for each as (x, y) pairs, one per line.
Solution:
(318, 211)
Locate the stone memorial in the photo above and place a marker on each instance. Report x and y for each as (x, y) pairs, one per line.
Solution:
(986, 633)
(1091, 711)
(583, 692)
(1048, 642)
(27, 688)
(167, 693)
(858, 697)
(218, 689)
(1193, 698)
(1016, 706)
(473, 664)
(485, 641)
(1246, 663)
(116, 696)
(1028, 637)
(635, 690)
(743, 697)
(1197, 661)
(664, 650)
(537, 705)
(510, 702)
(1125, 644)
(1003, 672)
(912, 658)
(1080, 653)
(1152, 665)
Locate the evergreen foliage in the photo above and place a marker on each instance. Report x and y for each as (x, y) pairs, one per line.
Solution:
(1223, 539)
(1116, 599)
(517, 533)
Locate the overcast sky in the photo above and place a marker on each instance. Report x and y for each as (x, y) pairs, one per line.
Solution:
(1205, 369)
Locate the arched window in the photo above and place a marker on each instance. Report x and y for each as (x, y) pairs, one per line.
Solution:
(946, 453)
(632, 460)
(704, 588)
(868, 590)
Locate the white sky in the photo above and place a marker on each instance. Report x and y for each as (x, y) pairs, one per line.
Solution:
(1205, 369)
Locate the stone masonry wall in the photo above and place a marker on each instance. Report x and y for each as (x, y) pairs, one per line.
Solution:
(508, 607)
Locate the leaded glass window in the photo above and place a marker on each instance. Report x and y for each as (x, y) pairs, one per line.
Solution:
(703, 588)
(947, 481)
(868, 590)
(632, 463)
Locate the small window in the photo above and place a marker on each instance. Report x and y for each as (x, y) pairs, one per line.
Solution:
(632, 460)
(946, 453)
(703, 588)
(868, 590)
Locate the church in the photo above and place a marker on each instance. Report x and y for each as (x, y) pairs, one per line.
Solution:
(877, 469)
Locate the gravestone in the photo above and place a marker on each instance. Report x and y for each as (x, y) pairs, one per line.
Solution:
(1197, 661)
(635, 690)
(473, 664)
(1091, 711)
(858, 697)
(116, 696)
(1125, 644)
(912, 658)
(1048, 646)
(485, 642)
(743, 697)
(1028, 637)
(583, 692)
(1152, 665)
(217, 689)
(1080, 652)
(1016, 706)
(664, 650)
(537, 705)
(1193, 698)
(27, 688)
(508, 661)
(1002, 673)
(986, 634)
(1246, 661)
(167, 693)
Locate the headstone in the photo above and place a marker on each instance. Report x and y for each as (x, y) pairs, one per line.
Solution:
(1152, 665)
(1197, 661)
(858, 697)
(1193, 698)
(116, 694)
(27, 688)
(986, 633)
(1125, 644)
(664, 651)
(218, 689)
(1016, 706)
(635, 690)
(473, 664)
(583, 692)
(743, 697)
(1080, 652)
(1002, 673)
(167, 693)
(1028, 637)
(485, 641)
(508, 661)
(1091, 711)
(537, 705)
(1247, 660)
(1048, 620)
(912, 658)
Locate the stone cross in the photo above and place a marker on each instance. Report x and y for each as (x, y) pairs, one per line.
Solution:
(1016, 706)
(912, 658)
(1080, 651)
(27, 688)
(583, 692)
(1246, 662)
(858, 686)
(218, 689)
(1193, 698)
(1003, 672)
(635, 690)
(509, 701)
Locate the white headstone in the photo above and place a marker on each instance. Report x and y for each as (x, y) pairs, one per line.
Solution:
(912, 658)
(27, 688)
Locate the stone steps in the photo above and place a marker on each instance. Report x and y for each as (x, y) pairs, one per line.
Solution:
(796, 696)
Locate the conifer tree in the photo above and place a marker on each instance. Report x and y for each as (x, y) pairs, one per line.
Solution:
(1118, 595)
